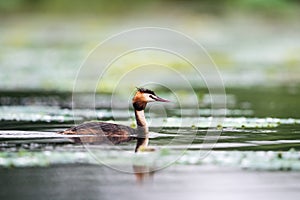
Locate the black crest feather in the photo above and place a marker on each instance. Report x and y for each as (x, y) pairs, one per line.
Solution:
(144, 90)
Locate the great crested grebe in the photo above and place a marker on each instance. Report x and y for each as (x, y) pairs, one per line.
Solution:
(116, 133)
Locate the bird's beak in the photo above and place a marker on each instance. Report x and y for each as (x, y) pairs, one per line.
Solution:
(161, 99)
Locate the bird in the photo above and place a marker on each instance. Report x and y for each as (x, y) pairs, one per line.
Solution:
(116, 133)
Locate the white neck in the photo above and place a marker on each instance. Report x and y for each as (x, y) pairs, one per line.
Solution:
(140, 118)
(142, 130)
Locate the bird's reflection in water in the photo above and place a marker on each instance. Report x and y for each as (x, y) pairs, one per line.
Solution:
(143, 173)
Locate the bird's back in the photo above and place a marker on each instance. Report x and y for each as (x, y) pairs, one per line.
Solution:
(101, 130)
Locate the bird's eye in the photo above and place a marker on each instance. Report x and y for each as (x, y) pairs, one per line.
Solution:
(152, 97)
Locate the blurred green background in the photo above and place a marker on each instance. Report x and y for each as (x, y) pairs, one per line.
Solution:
(43, 43)
(119, 6)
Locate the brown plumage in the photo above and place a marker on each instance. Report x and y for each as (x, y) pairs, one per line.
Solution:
(101, 132)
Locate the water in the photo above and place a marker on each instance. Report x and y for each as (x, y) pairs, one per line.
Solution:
(256, 156)
(252, 131)
(177, 182)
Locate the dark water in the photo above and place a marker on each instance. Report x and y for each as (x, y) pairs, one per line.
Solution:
(192, 182)
(255, 156)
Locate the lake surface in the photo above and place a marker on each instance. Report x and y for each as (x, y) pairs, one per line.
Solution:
(177, 182)
(253, 153)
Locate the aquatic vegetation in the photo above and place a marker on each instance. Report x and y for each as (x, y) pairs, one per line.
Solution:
(237, 122)
(35, 114)
(252, 160)
(56, 114)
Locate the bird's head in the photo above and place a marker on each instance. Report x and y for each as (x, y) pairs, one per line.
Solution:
(144, 96)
